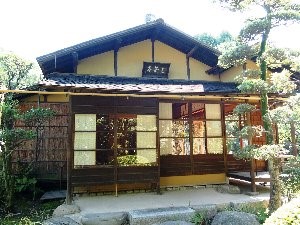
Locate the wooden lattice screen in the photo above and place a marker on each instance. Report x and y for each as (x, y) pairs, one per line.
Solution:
(50, 157)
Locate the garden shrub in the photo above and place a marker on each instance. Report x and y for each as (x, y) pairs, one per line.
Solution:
(287, 214)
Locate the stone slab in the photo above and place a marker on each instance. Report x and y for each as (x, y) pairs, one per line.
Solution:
(160, 215)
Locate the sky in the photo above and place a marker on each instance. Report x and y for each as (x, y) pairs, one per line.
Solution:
(32, 28)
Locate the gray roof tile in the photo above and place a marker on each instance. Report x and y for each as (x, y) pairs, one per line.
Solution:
(138, 85)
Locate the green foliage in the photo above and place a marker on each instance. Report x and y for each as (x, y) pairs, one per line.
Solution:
(236, 53)
(259, 209)
(207, 39)
(37, 116)
(11, 138)
(253, 28)
(199, 219)
(281, 83)
(267, 152)
(16, 72)
(254, 86)
(214, 42)
(287, 214)
(248, 74)
(131, 160)
(253, 43)
(25, 183)
(31, 213)
(241, 109)
(291, 177)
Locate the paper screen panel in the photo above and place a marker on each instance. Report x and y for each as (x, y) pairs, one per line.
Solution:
(85, 122)
(85, 141)
(84, 158)
(214, 128)
(166, 146)
(199, 146)
(146, 123)
(165, 110)
(146, 139)
(214, 145)
(146, 156)
(213, 111)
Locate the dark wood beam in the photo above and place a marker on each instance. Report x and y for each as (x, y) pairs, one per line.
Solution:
(152, 41)
(188, 70)
(116, 49)
(116, 61)
(70, 153)
(75, 61)
(189, 54)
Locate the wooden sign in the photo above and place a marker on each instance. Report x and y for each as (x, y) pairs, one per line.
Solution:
(154, 69)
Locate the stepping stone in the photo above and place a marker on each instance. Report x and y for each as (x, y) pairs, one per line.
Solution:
(54, 195)
(160, 215)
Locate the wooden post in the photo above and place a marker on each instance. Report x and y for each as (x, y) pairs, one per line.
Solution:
(153, 51)
(116, 50)
(70, 154)
(75, 61)
(223, 124)
(190, 122)
(188, 70)
(116, 61)
(157, 149)
(115, 129)
(188, 55)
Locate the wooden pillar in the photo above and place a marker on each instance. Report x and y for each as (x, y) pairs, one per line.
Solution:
(115, 129)
(188, 70)
(188, 55)
(70, 153)
(153, 49)
(157, 149)
(190, 123)
(223, 125)
(75, 61)
(118, 42)
(116, 61)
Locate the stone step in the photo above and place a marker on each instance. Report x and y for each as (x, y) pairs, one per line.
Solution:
(160, 215)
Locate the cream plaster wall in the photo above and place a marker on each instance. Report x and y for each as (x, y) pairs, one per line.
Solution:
(99, 64)
(131, 58)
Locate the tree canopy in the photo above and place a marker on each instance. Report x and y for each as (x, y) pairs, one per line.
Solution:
(253, 44)
(213, 41)
(16, 72)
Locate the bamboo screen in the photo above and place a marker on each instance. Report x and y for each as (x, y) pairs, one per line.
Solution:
(49, 153)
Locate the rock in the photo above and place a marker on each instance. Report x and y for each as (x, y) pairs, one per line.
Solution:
(174, 222)
(251, 193)
(207, 211)
(234, 218)
(105, 218)
(60, 221)
(65, 209)
(227, 188)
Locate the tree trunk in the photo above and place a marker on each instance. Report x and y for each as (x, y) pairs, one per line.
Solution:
(275, 187)
(274, 164)
(293, 139)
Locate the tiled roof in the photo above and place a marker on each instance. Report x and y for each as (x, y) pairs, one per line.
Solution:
(119, 84)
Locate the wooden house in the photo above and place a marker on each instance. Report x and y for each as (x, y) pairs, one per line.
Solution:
(143, 108)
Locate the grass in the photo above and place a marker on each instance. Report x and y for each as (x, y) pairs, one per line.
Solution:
(28, 212)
